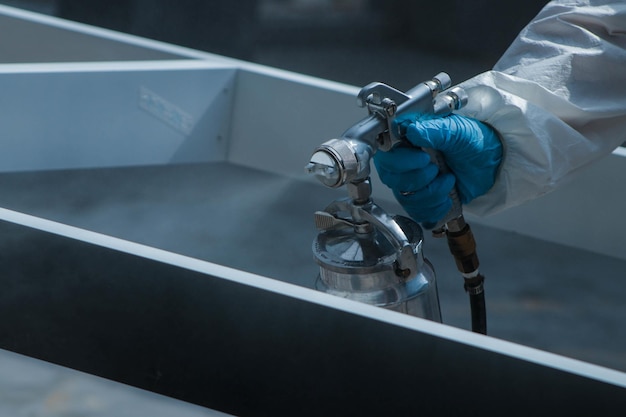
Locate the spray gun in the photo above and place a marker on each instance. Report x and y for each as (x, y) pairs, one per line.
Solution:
(363, 252)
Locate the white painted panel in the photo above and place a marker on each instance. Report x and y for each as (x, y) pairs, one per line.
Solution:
(85, 116)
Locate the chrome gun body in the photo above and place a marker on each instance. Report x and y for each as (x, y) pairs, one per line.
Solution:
(364, 253)
(354, 231)
(347, 159)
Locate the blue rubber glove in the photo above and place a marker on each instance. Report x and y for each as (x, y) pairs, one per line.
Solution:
(472, 151)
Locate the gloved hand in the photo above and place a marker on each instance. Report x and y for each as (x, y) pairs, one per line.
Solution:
(472, 150)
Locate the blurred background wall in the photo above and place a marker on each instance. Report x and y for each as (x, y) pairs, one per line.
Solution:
(351, 41)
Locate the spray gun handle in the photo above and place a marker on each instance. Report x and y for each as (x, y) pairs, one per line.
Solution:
(443, 105)
(456, 210)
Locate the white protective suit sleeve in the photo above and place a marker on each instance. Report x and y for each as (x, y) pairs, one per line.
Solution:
(557, 97)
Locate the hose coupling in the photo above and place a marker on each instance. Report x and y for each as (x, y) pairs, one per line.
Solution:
(475, 285)
(463, 248)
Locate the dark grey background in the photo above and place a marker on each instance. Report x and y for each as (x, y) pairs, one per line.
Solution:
(353, 41)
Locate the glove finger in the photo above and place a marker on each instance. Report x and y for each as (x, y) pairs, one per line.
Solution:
(410, 181)
(438, 133)
(401, 122)
(401, 159)
(432, 195)
(429, 216)
(446, 134)
(420, 136)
